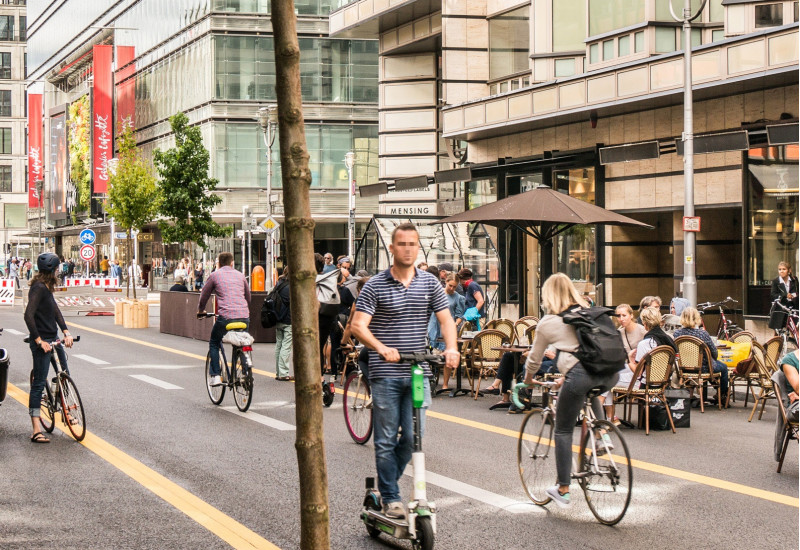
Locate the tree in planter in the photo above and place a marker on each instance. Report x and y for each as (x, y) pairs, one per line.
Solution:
(309, 442)
(186, 187)
(133, 195)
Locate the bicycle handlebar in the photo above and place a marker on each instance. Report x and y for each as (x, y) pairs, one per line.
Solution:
(418, 357)
(206, 314)
(56, 342)
(790, 311)
(522, 385)
(708, 305)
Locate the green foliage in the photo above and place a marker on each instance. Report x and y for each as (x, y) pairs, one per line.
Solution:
(186, 187)
(80, 171)
(133, 195)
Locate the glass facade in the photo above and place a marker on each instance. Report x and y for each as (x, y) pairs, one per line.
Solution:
(240, 155)
(575, 249)
(330, 70)
(301, 7)
(15, 215)
(605, 16)
(663, 14)
(509, 43)
(568, 18)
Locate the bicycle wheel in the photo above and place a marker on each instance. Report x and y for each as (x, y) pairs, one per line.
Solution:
(606, 479)
(72, 408)
(47, 416)
(215, 393)
(536, 455)
(357, 406)
(242, 380)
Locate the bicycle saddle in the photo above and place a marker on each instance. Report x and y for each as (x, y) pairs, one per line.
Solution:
(594, 392)
(236, 325)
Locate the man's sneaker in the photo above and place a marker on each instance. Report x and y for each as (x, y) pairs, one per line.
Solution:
(215, 381)
(394, 510)
(563, 501)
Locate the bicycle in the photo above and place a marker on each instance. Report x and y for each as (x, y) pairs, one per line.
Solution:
(605, 478)
(63, 398)
(788, 331)
(238, 375)
(357, 406)
(725, 328)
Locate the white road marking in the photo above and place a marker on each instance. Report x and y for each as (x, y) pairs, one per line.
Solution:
(90, 359)
(476, 493)
(14, 332)
(153, 367)
(261, 419)
(155, 382)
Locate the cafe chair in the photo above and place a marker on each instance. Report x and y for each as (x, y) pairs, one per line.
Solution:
(530, 332)
(785, 428)
(743, 336)
(691, 352)
(482, 360)
(522, 325)
(772, 349)
(763, 378)
(657, 368)
(503, 325)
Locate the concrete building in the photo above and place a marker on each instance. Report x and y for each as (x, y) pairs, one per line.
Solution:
(213, 60)
(12, 129)
(544, 92)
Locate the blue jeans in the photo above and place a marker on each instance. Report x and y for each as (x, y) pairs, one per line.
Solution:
(721, 368)
(215, 342)
(41, 366)
(391, 410)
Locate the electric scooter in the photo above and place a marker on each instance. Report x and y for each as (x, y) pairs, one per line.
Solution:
(420, 527)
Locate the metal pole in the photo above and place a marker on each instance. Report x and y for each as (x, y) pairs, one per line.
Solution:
(111, 252)
(269, 242)
(244, 221)
(351, 220)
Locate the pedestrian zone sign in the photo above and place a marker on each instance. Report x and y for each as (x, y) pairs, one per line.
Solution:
(270, 224)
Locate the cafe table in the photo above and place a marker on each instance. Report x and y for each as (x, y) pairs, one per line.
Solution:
(466, 337)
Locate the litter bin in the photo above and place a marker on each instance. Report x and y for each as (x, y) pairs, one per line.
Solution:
(680, 406)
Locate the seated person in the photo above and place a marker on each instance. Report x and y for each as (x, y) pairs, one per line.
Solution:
(654, 337)
(179, 286)
(505, 373)
(790, 363)
(690, 321)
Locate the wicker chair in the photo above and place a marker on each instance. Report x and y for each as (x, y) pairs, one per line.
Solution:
(785, 430)
(522, 326)
(692, 351)
(773, 348)
(503, 325)
(482, 360)
(762, 375)
(530, 333)
(743, 336)
(657, 369)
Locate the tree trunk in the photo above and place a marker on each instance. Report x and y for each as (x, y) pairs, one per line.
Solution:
(309, 443)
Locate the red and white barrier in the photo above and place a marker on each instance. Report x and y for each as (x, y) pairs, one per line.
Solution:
(8, 289)
(97, 282)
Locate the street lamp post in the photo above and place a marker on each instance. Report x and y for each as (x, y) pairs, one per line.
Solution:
(268, 119)
(40, 190)
(349, 161)
(689, 237)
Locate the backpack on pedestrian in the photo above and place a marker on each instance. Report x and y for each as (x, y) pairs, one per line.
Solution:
(328, 293)
(600, 348)
(273, 305)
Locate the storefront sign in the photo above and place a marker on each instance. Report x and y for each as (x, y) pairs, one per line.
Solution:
(35, 166)
(408, 209)
(126, 87)
(142, 237)
(102, 125)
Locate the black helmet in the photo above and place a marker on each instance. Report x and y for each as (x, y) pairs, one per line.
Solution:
(47, 262)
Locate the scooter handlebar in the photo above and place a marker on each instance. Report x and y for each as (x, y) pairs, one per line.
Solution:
(420, 357)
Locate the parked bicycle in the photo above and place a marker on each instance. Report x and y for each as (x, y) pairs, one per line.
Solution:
(725, 328)
(357, 406)
(238, 375)
(606, 478)
(61, 396)
(784, 321)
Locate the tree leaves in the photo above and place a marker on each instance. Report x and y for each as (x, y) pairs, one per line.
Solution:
(185, 187)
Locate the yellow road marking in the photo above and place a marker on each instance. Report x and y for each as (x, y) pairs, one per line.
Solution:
(220, 524)
(647, 466)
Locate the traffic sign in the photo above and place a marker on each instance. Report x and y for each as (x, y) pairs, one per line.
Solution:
(87, 236)
(87, 252)
(270, 224)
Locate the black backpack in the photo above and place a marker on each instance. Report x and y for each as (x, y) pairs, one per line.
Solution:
(600, 348)
(272, 307)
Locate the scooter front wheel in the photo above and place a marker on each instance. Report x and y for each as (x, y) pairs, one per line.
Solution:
(425, 537)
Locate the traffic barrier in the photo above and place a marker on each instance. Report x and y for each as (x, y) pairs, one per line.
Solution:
(8, 289)
(96, 282)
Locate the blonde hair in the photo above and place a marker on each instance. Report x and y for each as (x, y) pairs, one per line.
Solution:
(626, 307)
(651, 317)
(558, 293)
(690, 318)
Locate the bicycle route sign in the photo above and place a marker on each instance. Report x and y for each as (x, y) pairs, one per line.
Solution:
(88, 236)
(87, 253)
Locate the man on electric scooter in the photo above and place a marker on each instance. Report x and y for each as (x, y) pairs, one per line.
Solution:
(391, 317)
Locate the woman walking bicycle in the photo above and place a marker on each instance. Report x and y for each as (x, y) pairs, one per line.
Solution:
(43, 319)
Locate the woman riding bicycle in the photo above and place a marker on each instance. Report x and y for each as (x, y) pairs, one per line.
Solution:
(43, 319)
(558, 296)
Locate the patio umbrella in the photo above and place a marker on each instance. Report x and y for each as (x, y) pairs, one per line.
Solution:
(542, 213)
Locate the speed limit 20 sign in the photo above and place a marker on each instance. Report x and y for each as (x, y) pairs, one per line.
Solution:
(87, 252)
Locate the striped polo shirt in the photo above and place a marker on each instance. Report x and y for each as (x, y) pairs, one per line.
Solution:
(400, 317)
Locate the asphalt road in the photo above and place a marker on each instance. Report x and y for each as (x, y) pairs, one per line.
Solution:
(165, 468)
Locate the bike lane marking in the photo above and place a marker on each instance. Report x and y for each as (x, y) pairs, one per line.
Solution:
(647, 466)
(261, 419)
(90, 359)
(155, 382)
(218, 523)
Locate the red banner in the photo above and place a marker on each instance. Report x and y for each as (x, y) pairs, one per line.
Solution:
(102, 130)
(35, 150)
(126, 87)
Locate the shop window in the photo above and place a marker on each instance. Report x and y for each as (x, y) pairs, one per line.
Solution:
(772, 219)
(509, 43)
(769, 15)
(480, 192)
(575, 249)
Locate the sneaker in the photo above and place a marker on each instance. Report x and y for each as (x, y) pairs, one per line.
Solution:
(394, 510)
(563, 501)
(604, 444)
(616, 421)
(215, 381)
(513, 409)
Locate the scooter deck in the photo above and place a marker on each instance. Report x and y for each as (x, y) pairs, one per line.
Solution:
(397, 528)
